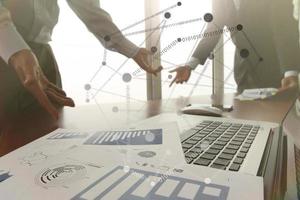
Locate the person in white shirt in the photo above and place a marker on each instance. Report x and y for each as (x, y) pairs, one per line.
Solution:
(266, 40)
(28, 70)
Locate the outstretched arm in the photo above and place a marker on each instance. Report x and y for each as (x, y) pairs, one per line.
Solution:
(99, 22)
(206, 46)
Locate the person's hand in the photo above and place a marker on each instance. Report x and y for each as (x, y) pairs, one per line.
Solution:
(142, 59)
(32, 78)
(288, 84)
(182, 74)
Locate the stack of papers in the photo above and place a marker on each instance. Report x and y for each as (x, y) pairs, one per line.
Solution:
(254, 94)
(132, 163)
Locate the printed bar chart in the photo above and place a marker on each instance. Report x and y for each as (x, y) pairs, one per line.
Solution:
(68, 135)
(4, 175)
(139, 185)
(136, 137)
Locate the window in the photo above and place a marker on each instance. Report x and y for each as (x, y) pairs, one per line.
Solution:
(191, 13)
(80, 55)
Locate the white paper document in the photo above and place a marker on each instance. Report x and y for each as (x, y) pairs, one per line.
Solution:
(259, 93)
(78, 181)
(132, 163)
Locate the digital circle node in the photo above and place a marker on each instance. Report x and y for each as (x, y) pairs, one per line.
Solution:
(204, 145)
(167, 15)
(115, 109)
(170, 76)
(127, 77)
(208, 17)
(244, 53)
(179, 39)
(87, 87)
(179, 3)
(153, 49)
(126, 168)
(207, 181)
(239, 27)
(103, 63)
(152, 183)
(150, 137)
(107, 38)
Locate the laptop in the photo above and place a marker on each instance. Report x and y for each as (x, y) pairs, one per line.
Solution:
(240, 146)
(221, 143)
(204, 182)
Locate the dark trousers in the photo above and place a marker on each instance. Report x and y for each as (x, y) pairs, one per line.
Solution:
(13, 96)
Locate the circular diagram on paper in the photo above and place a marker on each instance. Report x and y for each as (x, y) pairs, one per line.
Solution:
(60, 175)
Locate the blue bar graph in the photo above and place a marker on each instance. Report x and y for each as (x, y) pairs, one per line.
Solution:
(67, 135)
(135, 137)
(4, 175)
(182, 188)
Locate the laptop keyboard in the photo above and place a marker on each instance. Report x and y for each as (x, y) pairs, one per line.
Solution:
(219, 145)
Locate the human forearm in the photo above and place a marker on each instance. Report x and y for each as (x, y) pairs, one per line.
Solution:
(10, 40)
(101, 25)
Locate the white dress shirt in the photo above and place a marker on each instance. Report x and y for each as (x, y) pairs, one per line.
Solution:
(34, 20)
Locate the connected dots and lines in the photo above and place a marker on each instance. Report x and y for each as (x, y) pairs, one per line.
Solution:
(161, 50)
(93, 90)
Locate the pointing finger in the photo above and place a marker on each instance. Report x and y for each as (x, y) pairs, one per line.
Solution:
(173, 81)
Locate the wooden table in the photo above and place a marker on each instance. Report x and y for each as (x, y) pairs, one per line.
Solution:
(22, 128)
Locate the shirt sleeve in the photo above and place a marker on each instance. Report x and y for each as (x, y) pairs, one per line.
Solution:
(10, 40)
(101, 25)
(209, 42)
(193, 63)
(291, 73)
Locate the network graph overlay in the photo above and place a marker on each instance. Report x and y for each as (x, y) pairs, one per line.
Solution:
(137, 137)
(139, 185)
(92, 92)
(247, 53)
